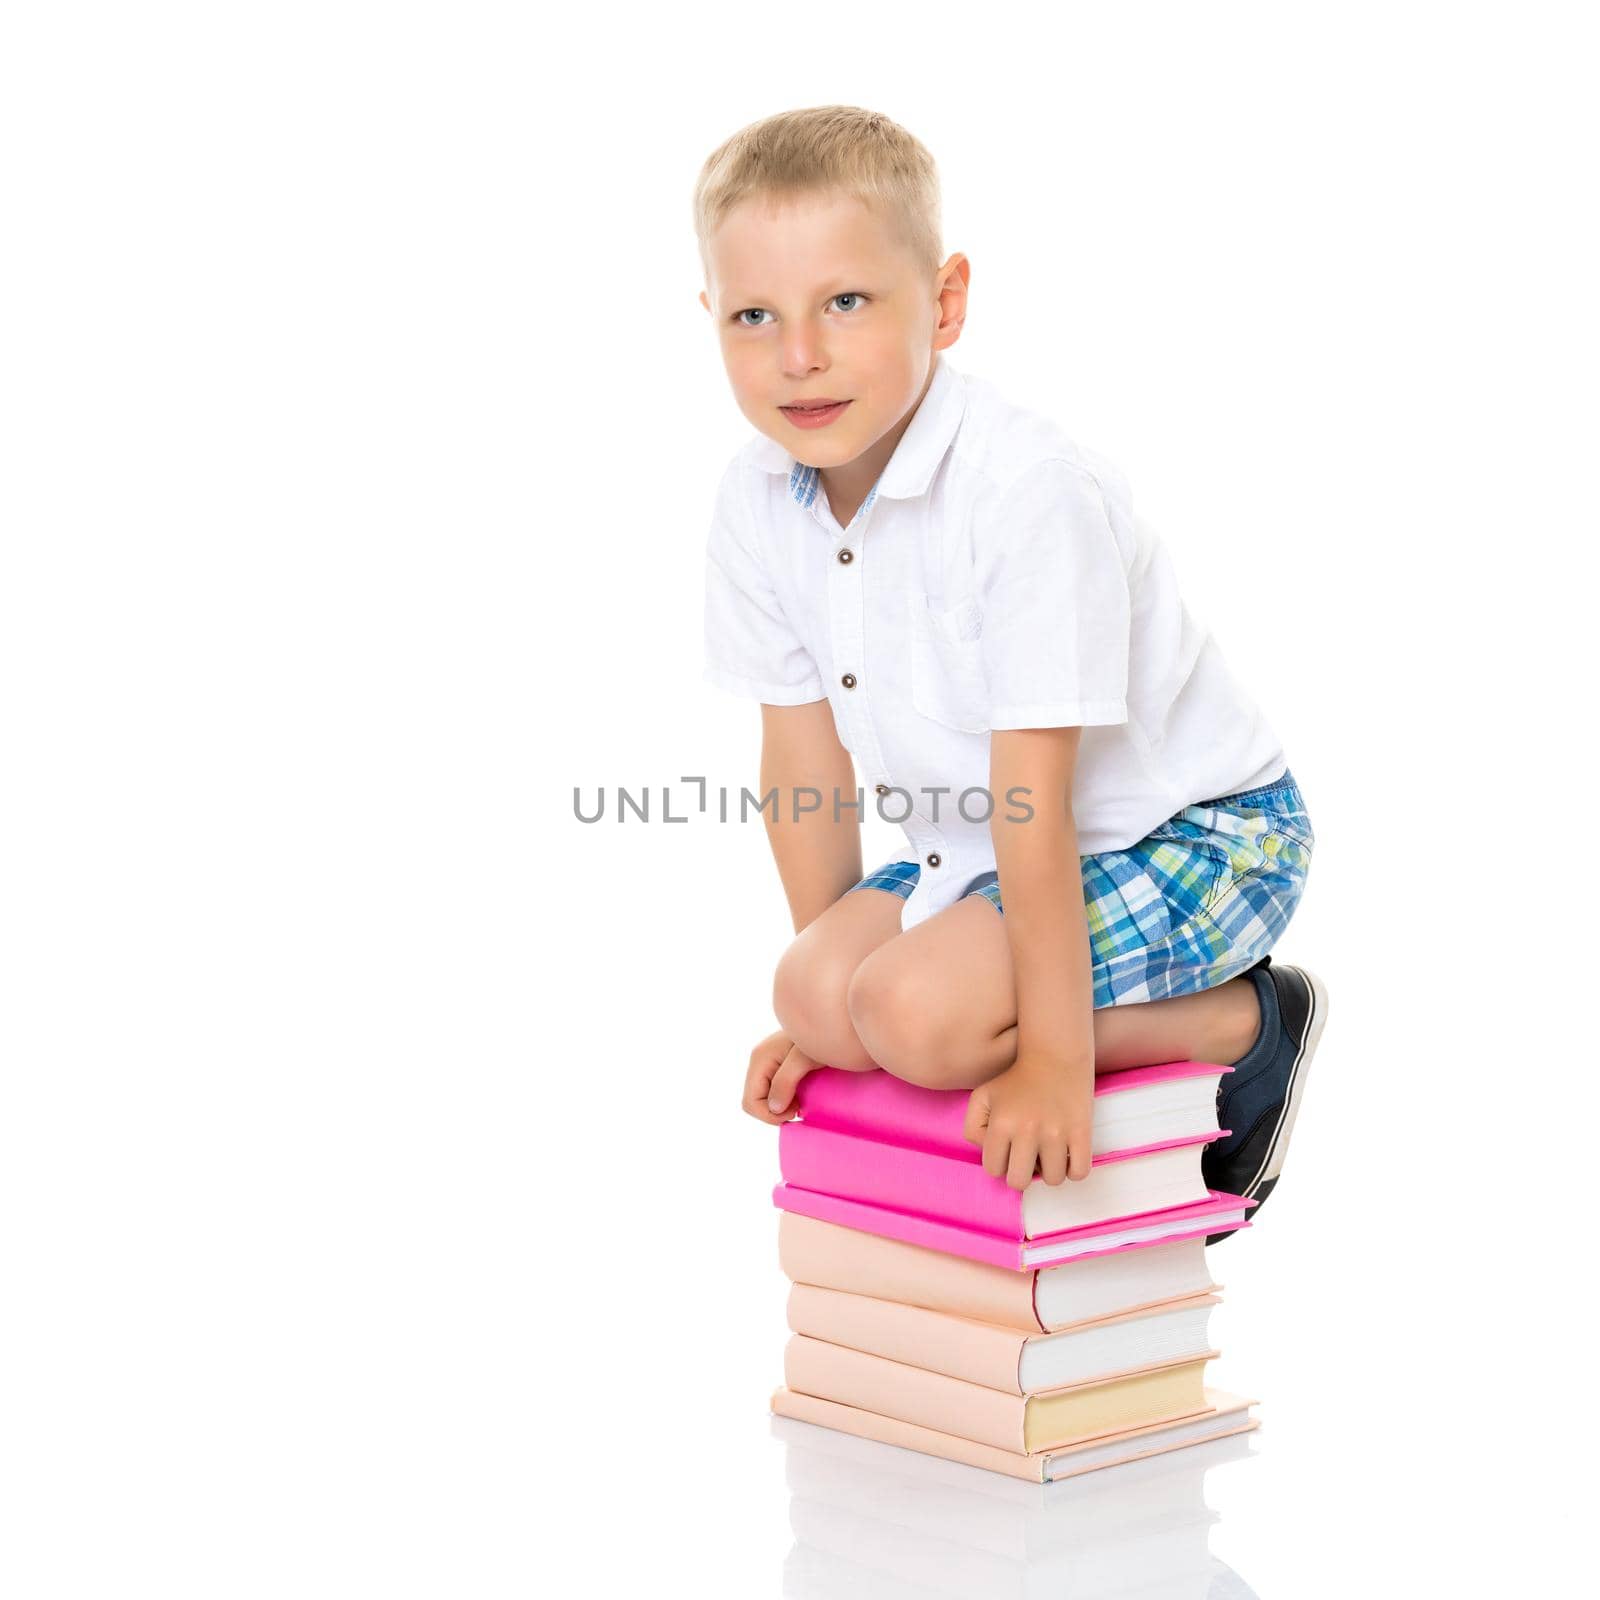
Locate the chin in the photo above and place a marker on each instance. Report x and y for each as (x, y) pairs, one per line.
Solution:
(826, 452)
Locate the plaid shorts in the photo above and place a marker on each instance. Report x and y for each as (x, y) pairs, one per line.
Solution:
(1192, 904)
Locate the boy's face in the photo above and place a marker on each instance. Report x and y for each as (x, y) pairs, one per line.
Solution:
(815, 299)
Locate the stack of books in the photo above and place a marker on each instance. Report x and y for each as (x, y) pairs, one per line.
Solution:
(1042, 1332)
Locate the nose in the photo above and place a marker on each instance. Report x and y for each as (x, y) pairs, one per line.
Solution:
(803, 352)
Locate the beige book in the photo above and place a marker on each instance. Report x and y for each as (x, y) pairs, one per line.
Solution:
(1005, 1358)
(1024, 1423)
(1224, 1414)
(1044, 1299)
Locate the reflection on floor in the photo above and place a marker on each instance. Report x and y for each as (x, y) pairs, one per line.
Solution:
(875, 1522)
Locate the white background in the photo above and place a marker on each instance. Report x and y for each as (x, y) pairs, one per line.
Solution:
(376, 1211)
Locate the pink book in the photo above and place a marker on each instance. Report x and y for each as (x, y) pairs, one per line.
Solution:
(1217, 1213)
(1123, 1184)
(1136, 1109)
(874, 1152)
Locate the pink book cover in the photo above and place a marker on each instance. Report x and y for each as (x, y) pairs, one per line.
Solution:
(878, 1105)
(1011, 1249)
(1125, 1185)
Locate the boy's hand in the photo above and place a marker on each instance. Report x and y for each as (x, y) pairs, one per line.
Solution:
(1038, 1110)
(777, 1064)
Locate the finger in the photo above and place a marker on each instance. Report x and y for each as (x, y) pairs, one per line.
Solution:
(1024, 1157)
(977, 1118)
(795, 1066)
(755, 1102)
(756, 1081)
(1053, 1158)
(1081, 1163)
(996, 1150)
(758, 1087)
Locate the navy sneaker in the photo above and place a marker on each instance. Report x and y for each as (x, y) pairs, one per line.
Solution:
(1259, 1100)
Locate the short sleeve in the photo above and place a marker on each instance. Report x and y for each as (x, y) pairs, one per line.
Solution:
(1057, 608)
(750, 647)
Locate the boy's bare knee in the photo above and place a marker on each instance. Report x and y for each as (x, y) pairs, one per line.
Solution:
(899, 1025)
(794, 995)
(808, 991)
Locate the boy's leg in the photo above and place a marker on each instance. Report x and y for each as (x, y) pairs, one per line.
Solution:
(936, 1005)
(814, 973)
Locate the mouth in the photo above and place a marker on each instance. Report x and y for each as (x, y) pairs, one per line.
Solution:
(814, 413)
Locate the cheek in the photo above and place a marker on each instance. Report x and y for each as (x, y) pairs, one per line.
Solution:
(743, 366)
(884, 353)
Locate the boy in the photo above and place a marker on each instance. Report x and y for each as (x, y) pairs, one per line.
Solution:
(908, 570)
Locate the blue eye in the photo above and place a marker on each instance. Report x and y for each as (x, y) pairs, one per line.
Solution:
(759, 311)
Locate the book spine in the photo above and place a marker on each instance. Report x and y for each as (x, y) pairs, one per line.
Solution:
(790, 1403)
(860, 1261)
(976, 1352)
(892, 1389)
(928, 1232)
(877, 1105)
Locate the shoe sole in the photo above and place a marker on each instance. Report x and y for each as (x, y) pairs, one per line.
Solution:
(1272, 1162)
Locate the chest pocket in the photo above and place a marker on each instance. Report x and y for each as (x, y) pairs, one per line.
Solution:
(947, 677)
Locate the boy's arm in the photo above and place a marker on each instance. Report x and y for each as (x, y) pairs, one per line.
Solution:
(818, 859)
(1041, 1109)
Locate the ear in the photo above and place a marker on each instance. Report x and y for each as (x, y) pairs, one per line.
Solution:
(954, 277)
(703, 301)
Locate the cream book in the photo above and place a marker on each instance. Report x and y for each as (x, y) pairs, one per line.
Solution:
(1037, 1300)
(1223, 1414)
(1020, 1423)
(1004, 1358)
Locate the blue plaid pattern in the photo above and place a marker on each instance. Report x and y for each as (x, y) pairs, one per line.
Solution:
(1192, 904)
(805, 484)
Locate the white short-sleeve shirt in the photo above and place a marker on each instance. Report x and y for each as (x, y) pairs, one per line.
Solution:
(995, 576)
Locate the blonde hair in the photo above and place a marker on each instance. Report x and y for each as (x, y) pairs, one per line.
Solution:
(845, 148)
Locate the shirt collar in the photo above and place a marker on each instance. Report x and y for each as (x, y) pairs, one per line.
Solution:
(921, 448)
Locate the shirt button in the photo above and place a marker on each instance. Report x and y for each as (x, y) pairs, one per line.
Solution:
(882, 788)
(847, 556)
(848, 680)
(933, 860)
